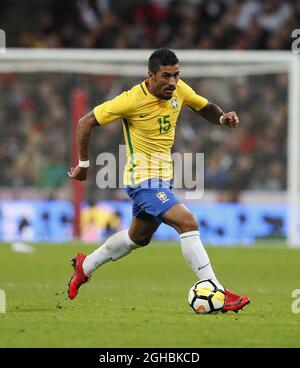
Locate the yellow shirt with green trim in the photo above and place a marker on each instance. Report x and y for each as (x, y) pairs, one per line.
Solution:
(149, 125)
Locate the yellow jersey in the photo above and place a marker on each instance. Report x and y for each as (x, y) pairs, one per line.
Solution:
(149, 125)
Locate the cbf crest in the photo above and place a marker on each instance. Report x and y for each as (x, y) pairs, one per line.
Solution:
(174, 103)
(162, 197)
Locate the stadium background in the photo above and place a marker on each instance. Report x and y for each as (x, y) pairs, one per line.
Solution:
(130, 303)
(36, 144)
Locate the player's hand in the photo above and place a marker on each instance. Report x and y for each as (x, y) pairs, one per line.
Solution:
(230, 119)
(79, 173)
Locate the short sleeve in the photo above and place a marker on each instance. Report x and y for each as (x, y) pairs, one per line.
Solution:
(114, 109)
(196, 102)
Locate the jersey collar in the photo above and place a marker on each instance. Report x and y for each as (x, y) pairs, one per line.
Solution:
(146, 91)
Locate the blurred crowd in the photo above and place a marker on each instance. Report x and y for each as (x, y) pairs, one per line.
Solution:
(35, 109)
(34, 118)
(35, 123)
(195, 24)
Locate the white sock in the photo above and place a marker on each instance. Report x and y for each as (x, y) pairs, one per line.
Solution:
(196, 256)
(115, 247)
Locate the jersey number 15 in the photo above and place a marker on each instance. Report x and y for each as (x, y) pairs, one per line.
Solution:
(164, 124)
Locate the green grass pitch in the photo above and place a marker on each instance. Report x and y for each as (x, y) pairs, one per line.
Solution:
(141, 300)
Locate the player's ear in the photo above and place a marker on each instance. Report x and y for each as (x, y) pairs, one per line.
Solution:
(150, 74)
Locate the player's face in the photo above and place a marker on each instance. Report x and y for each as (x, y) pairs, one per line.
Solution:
(164, 81)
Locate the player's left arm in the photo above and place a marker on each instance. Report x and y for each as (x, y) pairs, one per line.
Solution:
(214, 114)
(208, 110)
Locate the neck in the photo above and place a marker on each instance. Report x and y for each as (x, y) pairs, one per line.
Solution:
(151, 88)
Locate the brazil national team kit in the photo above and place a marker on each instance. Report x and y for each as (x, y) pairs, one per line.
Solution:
(149, 128)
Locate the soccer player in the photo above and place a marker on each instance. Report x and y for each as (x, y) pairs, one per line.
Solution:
(150, 111)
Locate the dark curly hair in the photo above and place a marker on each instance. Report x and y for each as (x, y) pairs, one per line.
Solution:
(162, 56)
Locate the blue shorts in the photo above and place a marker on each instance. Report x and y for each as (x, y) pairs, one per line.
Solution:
(151, 199)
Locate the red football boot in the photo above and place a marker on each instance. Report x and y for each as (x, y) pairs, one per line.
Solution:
(234, 302)
(78, 277)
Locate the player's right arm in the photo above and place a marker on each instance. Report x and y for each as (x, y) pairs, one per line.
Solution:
(103, 114)
(83, 133)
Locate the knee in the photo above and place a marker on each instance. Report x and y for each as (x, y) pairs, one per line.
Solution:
(141, 240)
(188, 223)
